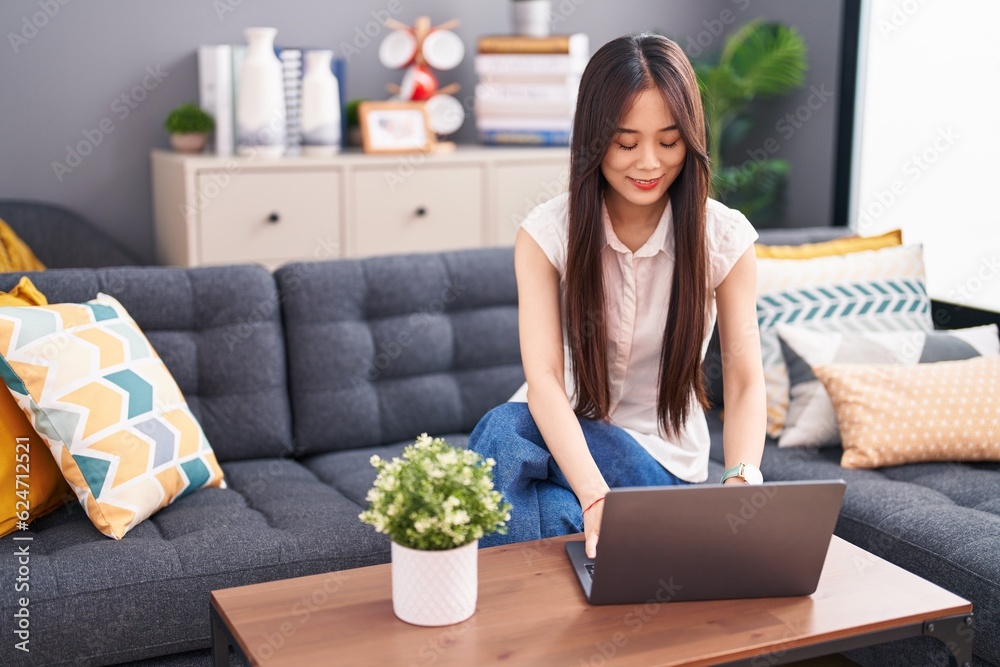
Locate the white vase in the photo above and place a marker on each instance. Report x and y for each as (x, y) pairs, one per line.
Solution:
(433, 588)
(532, 18)
(320, 106)
(260, 105)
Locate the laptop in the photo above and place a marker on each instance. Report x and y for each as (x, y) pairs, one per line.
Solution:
(710, 542)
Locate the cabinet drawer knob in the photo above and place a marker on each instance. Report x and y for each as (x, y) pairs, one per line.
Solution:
(421, 211)
(273, 218)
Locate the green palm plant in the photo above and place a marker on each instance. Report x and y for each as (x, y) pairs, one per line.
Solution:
(759, 60)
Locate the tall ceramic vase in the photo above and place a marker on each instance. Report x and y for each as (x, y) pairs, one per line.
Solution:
(435, 587)
(260, 104)
(320, 106)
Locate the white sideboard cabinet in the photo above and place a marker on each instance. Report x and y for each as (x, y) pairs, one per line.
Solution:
(225, 210)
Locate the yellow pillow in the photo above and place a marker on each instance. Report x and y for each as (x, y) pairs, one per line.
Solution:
(44, 488)
(15, 255)
(840, 246)
(892, 414)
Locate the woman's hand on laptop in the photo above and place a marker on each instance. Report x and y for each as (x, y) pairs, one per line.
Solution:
(592, 514)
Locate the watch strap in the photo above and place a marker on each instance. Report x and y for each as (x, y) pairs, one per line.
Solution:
(735, 471)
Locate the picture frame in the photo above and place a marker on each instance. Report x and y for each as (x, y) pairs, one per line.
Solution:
(395, 127)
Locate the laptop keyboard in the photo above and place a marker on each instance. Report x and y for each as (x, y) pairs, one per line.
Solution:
(590, 569)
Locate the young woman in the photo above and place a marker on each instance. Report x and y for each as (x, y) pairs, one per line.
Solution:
(619, 285)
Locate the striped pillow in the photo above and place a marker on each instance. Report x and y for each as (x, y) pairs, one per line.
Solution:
(873, 290)
(811, 420)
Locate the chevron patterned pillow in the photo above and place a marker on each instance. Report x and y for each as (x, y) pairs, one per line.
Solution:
(811, 420)
(108, 409)
(872, 290)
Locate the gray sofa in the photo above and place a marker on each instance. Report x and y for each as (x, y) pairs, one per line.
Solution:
(61, 238)
(300, 376)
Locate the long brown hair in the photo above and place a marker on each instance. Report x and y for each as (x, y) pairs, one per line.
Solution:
(614, 77)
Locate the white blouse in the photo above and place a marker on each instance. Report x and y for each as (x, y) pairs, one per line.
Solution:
(638, 286)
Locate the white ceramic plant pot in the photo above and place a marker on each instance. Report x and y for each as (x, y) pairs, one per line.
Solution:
(320, 106)
(532, 18)
(433, 588)
(260, 106)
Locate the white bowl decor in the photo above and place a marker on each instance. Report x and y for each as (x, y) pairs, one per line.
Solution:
(435, 502)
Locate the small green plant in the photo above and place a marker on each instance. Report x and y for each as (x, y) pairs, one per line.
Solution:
(435, 497)
(759, 60)
(352, 112)
(189, 118)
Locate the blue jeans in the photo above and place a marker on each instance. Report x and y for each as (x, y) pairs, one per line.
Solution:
(543, 502)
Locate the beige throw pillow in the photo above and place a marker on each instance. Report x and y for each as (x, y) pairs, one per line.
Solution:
(891, 414)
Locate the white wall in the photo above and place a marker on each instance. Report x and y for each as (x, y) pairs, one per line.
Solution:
(927, 156)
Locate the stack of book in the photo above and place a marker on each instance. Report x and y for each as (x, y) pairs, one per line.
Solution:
(527, 88)
(218, 83)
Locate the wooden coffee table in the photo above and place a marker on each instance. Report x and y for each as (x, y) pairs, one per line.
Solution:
(531, 611)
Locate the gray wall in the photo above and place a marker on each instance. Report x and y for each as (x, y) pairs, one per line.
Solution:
(106, 74)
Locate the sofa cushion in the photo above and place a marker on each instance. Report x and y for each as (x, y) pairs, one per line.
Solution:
(100, 601)
(891, 414)
(940, 521)
(872, 290)
(45, 488)
(218, 330)
(383, 349)
(110, 413)
(811, 420)
(840, 246)
(712, 364)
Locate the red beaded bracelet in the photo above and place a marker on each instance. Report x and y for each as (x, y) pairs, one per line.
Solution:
(593, 503)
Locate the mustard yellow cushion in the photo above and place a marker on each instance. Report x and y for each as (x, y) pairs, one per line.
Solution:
(15, 255)
(31, 485)
(840, 246)
(892, 414)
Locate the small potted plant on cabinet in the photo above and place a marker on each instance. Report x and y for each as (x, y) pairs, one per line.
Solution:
(189, 126)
